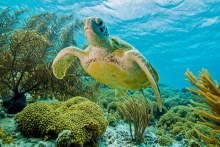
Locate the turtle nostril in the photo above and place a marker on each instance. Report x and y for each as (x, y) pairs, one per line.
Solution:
(98, 21)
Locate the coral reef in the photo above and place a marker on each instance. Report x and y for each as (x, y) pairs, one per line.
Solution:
(64, 139)
(178, 122)
(113, 117)
(103, 103)
(171, 98)
(8, 21)
(112, 106)
(22, 67)
(208, 92)
(7, 139)
(165, 140)
(82, 117)
(119, 136)
(105, 96)
(109, 104)
(138, 112)
(2, 134)
(26, 52)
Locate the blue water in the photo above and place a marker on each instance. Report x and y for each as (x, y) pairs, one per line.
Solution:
(172, 34)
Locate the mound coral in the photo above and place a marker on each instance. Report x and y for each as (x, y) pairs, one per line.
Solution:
(82, 117)
(208, 92)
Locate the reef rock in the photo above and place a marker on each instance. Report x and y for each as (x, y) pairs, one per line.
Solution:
(64, 139)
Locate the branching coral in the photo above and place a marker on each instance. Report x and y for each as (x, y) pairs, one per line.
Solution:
(139, 113)
(82, 117)
(73, 84)
(60, 30)
(22, 67)
(26, 53)
(208, 92)
(8, 21)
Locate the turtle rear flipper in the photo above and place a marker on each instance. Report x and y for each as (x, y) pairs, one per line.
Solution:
(64, 59)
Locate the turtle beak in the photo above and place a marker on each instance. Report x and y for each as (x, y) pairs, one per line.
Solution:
(84, 21)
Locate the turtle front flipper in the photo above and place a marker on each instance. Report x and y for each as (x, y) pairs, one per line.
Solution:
(149, 71)
(64, 59)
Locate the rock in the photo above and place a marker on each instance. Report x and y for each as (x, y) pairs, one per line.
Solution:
(29, 98)
(2, 114)
(1, 103)
(117, 136)
(150, 136)
(179, 137)
(42, 144)
(185, 142)
(184, 90)
(10, 115)
(15, 104)
(193, 144)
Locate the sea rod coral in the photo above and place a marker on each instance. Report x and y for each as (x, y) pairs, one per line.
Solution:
(208, 92)
(138, 112)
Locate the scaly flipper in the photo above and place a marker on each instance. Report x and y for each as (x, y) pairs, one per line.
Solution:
(64, 59)
(147, 68)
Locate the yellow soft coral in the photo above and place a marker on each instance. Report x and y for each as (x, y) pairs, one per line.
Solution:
(82, 117)
(209, 93)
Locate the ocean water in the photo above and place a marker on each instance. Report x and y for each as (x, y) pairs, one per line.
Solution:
(172, 34)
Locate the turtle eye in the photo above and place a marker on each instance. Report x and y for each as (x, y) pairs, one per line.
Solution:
(98, 21)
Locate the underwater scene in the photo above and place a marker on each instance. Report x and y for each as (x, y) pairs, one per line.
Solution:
(109, 73)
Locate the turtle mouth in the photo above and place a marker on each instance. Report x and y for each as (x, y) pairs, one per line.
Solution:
(88, 29)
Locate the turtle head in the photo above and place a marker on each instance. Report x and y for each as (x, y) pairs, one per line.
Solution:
(96, 31)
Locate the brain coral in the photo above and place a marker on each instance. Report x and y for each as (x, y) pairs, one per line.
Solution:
(82, 117)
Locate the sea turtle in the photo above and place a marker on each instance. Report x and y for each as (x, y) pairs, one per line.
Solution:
(109, 60)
